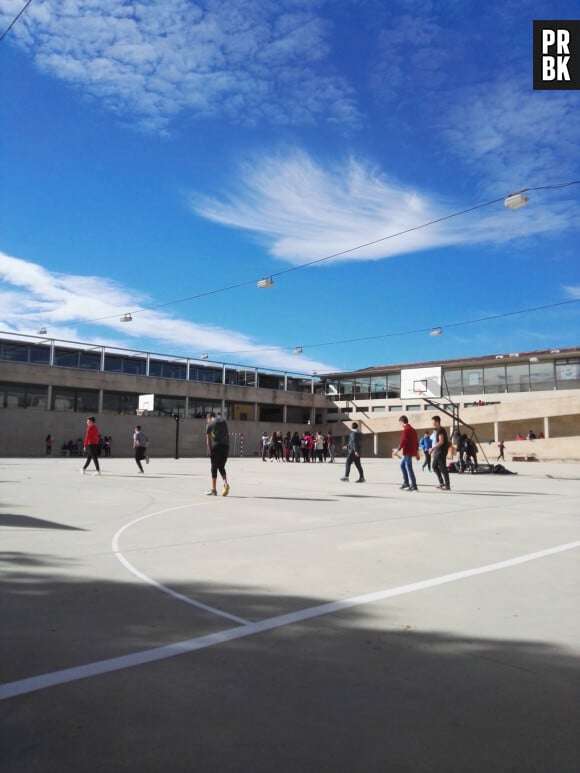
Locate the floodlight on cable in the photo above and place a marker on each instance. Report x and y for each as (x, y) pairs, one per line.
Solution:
(516, 200)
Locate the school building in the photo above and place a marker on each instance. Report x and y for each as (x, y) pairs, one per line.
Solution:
(48, 386)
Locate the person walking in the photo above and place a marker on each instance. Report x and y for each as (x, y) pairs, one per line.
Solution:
(501, 449)
(48, 444)
(140, 443)
(439, 449)
(91, 446)
(353, 448)
(218, 446)
(408, 448)
(425, 444)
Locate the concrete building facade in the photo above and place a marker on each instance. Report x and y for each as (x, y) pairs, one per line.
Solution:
(48, 387)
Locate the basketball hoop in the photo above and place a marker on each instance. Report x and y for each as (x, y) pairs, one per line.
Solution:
(420, 393)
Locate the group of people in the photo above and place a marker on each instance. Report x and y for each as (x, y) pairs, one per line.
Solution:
(435, 447)
(293, 447)
(76, 447)
(94, 443)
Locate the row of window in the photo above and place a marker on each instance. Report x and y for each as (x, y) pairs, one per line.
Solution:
(39, 354)
(488, 379)
(86, 401)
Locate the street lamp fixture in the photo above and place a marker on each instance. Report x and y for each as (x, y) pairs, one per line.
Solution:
(266, 281)
(203, 356)
(126, 318)
(42, 331)
(436, 331)
(297, 350)
(516, 200)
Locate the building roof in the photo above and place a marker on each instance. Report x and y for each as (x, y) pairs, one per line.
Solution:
(487, 359)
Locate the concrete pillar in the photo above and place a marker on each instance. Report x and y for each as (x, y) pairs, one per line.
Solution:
(49, 398)
(284, 414)
(102, 358)
(147, 364)
(256, 416)
(547, 426)
(496, 431)
(375, 443)
(285, 384)
(223, 410)
(51, 356)
(100, 403)
(186, 407)
(223, 375)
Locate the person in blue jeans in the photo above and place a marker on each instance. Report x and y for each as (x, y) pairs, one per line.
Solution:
(408, 448)
(425, 443)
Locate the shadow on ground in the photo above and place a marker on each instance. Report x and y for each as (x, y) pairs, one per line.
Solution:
(344, 693)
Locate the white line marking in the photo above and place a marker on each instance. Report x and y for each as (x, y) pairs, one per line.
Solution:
(163, 588)
(55, 678)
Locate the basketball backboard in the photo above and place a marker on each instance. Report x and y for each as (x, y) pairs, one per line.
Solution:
(421, 382)
(146, 403)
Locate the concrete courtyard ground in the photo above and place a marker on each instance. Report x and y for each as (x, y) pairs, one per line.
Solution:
(300, 624)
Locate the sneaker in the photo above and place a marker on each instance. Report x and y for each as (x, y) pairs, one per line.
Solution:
(82, 470)
(98, 472)
(404, 486)
(141, 472)
(211, 493)
(413, 488)
(345, 478)
(146, 460)
(360, 480)
(226, 490)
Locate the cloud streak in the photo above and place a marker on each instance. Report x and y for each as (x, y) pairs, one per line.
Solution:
(303, 211)
(149, 62)
(32, 297)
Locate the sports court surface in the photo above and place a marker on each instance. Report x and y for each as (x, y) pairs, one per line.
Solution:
(300, 624)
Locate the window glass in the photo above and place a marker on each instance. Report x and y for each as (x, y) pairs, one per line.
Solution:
(472, 381)
(65, 358)
(14, 352)
(394, 385)
(542, 376)
(494, 379)
(518, 377)
(451, 382)
(120, 402)
(40, 355)
(90, 360)
(568, 374)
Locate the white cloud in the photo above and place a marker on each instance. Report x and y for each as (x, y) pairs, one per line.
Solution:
(303, 211)
(149, 61)
(32, 297)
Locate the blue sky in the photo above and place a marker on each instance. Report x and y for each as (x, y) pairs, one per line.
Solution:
(155, 151)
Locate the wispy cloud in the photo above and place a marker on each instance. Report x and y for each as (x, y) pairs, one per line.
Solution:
(32, 296)
(149, 61)
(303, 211)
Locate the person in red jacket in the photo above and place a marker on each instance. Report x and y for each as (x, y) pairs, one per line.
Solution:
(407, 449)
(91, 445)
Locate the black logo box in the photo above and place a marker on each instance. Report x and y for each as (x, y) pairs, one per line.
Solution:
(565, 50)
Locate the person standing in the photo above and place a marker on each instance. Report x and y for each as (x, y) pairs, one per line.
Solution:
(140, 443)
(48, 444)
(408, 448)
(501, 449)
(91, 445)
(439, 449)
(218, 445)
(425, 444)
(330, 443)
(353, 448)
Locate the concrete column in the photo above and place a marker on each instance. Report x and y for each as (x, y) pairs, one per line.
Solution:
(223, 411)
(187, 364)
(285, 384)
(49, 397)
(375, 443)
(102, 359)
(223, 375)
(496, 431)
(51, 356)
(256, 412)
(547, 426)
(100, 403)
(284, 414)
(147, 364)
(186, 405)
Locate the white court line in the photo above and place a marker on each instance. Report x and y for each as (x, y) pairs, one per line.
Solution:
(55, 678)
(163, 588)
